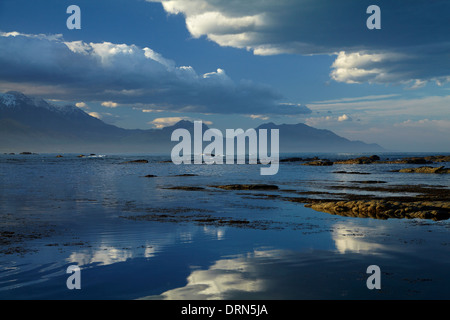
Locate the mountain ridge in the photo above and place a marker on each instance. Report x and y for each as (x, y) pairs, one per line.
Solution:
(39, 126)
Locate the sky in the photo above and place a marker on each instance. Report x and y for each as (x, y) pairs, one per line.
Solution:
(237, 64)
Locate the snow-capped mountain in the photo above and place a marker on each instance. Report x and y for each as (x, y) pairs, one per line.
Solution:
(16, 101)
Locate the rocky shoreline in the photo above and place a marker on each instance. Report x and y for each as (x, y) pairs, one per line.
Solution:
(375, 159)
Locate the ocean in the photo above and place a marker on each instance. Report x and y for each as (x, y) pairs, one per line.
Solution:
(160, 231)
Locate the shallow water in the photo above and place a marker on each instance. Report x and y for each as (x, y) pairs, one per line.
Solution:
(78, 211)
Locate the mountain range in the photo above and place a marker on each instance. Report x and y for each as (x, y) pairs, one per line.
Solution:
(35, 125)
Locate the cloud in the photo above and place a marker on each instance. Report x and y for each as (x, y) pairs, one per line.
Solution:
(411, 45)
(415, 68)
(344, 117)
(151, 110)
(105, 117)
(160, 123)
(82, 105)
(109, 104)
(384, 108)
(365, 98)
(259, 116)
(127, 74)
(442, 125)
(95, 115)
(327, 120)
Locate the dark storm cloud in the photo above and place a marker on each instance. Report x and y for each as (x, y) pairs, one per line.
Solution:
(412, 45)
(127, 74)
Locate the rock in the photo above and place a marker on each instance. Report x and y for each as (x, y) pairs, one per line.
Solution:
(417, 160)
(426, 170)
(350, 172)
(360, 160)
(189, 188)
(26, 152)
(414, 160)
(247, 187)
(136, 161)
(293, 159)
(440, 158)
(384, 209)
(318, 163)
(369, 181)
(150, 176)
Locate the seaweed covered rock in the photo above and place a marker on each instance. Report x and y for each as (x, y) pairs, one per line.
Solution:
(360, 160)
(318, 163)
(385, 209)
(426, 170)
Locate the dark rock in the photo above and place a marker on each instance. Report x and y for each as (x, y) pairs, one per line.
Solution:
(351, 172)
(186, 188)
(247, 187)
(136, 161)
(440, 158)
(293, 159)
(426, 170)
(318, 163)
(360, 160)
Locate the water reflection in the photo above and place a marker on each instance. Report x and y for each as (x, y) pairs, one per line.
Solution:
(290, 275)
(106, 255)
(221, 279)
(351, 238)
(273, 274)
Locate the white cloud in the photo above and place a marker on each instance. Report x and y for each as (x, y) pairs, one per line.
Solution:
(381, 109)
(365, 98)
(344, 117)
(126, 74)
(110, 104)
(95, 115)
(360, 67)
(82, 105)
(151, 110)
(160, 123)
(434, 125)
(412, 47)
(259, 116)
(327, 120)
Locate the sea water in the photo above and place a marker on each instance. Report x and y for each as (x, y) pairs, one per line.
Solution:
(84, 211)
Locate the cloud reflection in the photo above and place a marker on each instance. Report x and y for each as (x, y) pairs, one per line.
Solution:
(350, 238)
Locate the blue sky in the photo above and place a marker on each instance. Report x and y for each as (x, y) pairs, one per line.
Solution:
(146, 64)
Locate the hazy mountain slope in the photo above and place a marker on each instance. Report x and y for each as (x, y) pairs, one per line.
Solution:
(38, 126)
